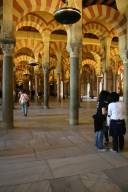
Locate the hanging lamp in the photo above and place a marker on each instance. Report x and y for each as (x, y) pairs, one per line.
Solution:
(67, 15)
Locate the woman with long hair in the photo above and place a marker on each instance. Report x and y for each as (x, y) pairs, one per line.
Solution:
(100, 119)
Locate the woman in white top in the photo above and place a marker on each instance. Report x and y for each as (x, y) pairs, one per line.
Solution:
(117, 122)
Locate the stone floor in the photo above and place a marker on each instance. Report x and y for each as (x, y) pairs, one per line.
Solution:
(44, 154)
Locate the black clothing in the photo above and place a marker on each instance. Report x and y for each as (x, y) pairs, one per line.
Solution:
(117, 127)
(99, 118)
(118, 141)
(117, 131)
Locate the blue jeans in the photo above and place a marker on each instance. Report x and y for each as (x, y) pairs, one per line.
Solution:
(24, 108)
(99, 139)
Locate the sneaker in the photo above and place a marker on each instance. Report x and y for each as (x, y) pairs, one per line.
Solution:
(102, 150)
(112, 150)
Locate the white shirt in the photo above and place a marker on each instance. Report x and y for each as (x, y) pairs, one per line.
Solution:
(116, 110)
(23, 98)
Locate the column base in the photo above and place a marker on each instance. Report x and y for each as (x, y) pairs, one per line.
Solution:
(73, 122)
(46, 107)
(7, 125)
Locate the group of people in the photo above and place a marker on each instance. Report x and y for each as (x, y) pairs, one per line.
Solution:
(109, 120)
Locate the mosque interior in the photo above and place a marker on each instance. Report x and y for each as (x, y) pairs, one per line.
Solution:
(36, 31)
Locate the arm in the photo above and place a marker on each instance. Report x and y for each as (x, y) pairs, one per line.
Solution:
(104, 110)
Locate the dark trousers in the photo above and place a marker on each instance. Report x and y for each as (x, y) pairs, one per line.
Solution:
(106, 134)
(118, 143)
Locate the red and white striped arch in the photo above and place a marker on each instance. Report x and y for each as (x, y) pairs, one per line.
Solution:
(92, 63)
(33, 21)
(23, 7)
(21, 58)
(95, 28)
(106, 15)
(94, 48)
(58, 46)
(38, 23)
(35, 46)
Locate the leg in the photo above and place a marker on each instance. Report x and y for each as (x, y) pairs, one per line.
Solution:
(25, 109)
(99, 139)
(23, 105)
(121, 142)
(106, 135)
(101, 135)
(115, 143)
(96, 137)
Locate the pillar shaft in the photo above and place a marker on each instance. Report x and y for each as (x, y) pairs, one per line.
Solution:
(125, 62)
(36, 86)
(106, 43)
(59, 75)
(58, 88)
(74, 86)
(8, 24)
(126, 89)
(7, 93)
(46, 94)
(46, 40)
(74, 42)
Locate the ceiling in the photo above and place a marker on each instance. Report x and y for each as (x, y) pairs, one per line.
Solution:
(96, 25)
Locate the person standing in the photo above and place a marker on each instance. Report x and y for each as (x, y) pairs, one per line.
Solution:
(23, 100)
(100, 119)
(116, 113)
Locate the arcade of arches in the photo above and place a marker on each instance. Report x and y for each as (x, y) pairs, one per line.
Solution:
(43, 56)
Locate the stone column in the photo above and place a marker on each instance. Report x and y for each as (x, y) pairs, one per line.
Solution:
(59, 75)
(7, 94)
(46, 40)
(124, 57)
(58, 88)
(114, 81)
(98, 90)
(106, 43)
(36, 87)
(74, 84)
(46, 87)
(74, 44)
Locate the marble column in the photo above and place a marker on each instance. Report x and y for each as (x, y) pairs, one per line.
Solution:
(36, 87)
(115, 75)
(98, 88)
(74, 85)
(46, 87)
(59, 75)
(46, 41)
(124, 57)
(7, 92)
(106, 43)
(58, 88)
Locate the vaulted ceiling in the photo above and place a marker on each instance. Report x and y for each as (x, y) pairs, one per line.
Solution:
(100, 18)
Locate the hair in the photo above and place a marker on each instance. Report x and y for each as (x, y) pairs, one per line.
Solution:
(114, 97)
(103, 96)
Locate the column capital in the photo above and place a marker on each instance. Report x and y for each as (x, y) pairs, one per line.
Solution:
(46, 35)
(74, 49)
(106, 42)
(7, 46)
(46, 67)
